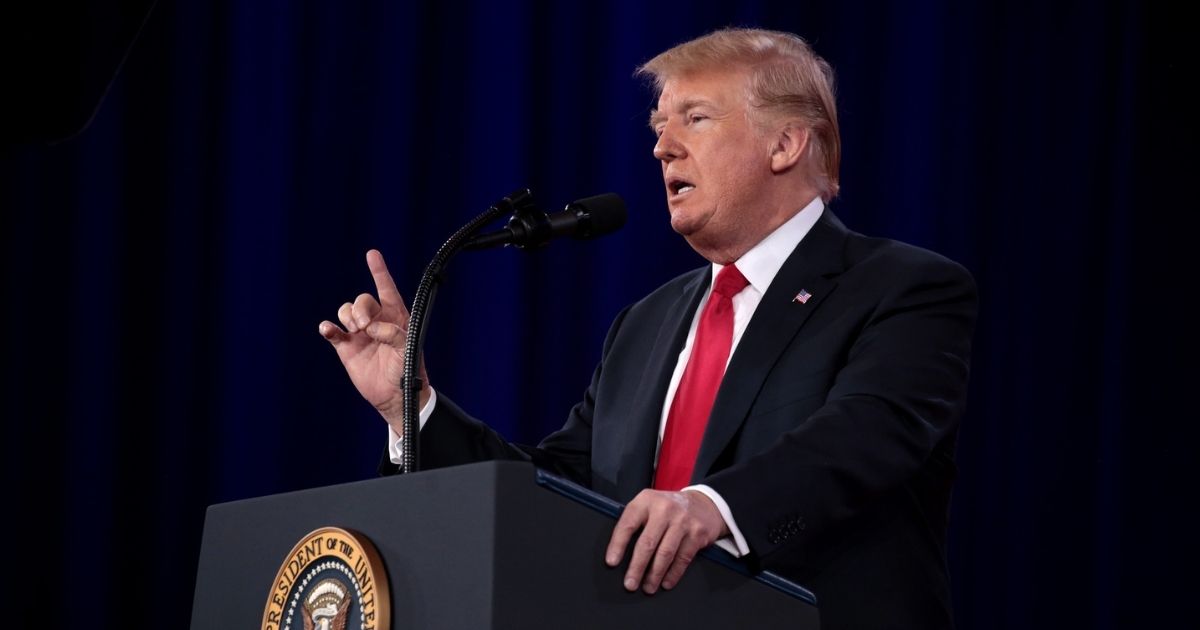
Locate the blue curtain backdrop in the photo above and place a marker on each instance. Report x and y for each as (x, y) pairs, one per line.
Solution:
(165, 269)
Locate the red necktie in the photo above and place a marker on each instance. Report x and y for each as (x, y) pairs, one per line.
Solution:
(698, 387)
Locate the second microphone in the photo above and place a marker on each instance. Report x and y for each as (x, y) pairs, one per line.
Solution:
(584, 219)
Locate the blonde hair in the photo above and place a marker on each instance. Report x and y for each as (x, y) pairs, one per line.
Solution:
(787, 80)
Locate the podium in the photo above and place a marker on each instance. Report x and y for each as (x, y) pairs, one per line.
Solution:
(487, 545)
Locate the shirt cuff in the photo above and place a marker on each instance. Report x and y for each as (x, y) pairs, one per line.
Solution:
(735, 542)
(395, 444)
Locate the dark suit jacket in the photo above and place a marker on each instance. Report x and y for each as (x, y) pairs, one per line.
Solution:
(832, 435)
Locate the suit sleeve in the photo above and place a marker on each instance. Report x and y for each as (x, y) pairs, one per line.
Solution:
(452, 437)
(891, 413)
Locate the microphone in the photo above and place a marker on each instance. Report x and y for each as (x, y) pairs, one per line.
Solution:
(530, 228)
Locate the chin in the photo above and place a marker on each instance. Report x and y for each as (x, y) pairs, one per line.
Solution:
(685, 223)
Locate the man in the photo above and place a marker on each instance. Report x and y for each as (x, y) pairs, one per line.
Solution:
(798, 399)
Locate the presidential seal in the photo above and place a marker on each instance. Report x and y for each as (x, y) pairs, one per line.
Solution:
(332, 580)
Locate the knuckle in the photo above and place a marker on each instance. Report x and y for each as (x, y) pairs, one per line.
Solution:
(632, 517)
(626, 525)
(666, 509)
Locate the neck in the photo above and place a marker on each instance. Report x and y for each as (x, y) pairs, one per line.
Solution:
(726, 249)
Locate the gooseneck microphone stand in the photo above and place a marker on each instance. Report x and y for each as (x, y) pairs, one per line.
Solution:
(519, 204)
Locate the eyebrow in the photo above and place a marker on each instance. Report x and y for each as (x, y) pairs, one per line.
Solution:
(657, 116)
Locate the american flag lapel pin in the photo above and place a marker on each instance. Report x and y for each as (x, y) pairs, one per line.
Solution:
(802, 297)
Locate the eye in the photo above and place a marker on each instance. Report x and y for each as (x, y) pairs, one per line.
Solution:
(695, 118)
(658, 131)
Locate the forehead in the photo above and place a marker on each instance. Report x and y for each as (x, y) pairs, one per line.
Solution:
(724, 87)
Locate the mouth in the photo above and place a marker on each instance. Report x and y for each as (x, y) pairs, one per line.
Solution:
(679, 186)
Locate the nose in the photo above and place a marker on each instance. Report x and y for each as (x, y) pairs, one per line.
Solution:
(668, 147)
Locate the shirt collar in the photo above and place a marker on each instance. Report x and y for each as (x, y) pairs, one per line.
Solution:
(763, 261)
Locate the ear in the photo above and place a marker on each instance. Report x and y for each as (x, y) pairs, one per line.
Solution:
(791, 142)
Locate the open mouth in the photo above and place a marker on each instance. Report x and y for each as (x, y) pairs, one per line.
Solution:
(680, 186)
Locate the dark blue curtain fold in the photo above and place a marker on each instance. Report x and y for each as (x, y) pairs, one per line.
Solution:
(165, 269)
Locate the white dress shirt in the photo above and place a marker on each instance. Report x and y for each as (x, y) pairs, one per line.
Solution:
(759, 266)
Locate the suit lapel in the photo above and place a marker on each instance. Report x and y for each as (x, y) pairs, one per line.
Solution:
(637, 470)
(811, 267)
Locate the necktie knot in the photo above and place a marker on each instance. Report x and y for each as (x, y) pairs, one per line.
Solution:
(730, 281)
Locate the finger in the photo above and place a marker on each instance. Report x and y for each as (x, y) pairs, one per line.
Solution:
(346, 316)
(663, 558)
(364, 309)
(388, 333)
(332, 332)
(643, 551)
(631, 520)
(389, 295)
(683, 559)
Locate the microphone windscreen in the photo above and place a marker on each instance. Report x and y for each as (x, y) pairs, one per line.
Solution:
(606, 214)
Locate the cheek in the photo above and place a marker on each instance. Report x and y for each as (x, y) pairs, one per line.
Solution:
(739, 178)
(741, 186)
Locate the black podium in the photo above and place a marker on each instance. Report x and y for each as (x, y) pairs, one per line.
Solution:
(489, 545)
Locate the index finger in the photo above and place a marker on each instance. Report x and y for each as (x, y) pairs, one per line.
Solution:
(389, 295)
(630, 522)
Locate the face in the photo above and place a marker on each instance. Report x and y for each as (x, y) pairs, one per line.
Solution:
(716, 164)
